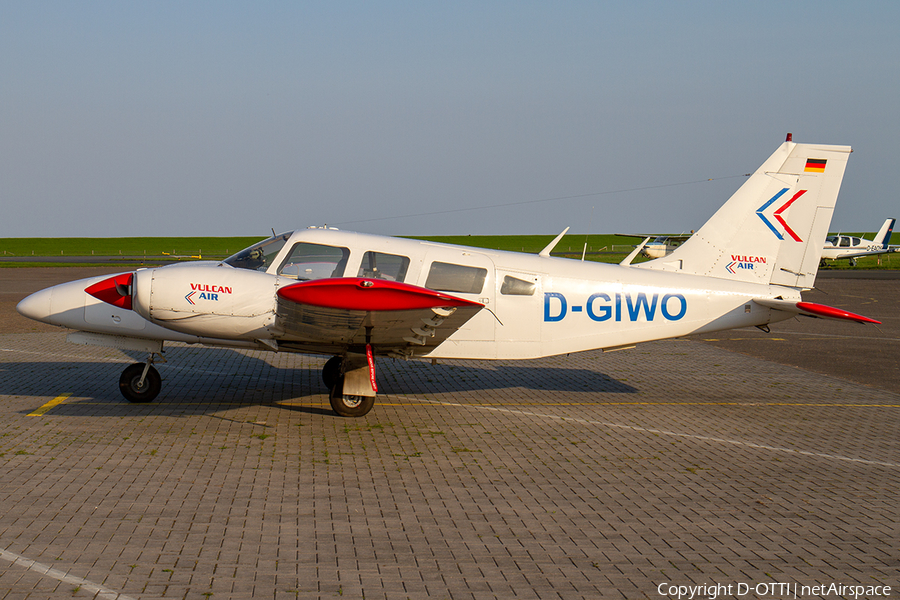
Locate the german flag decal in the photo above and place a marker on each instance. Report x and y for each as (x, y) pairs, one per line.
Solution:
(815, 165)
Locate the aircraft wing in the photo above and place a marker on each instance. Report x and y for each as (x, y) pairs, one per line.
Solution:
(862, 253)
(352, 311)
(811, 309)
(679, 237)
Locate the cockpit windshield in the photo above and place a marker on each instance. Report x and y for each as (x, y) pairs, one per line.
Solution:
(260, 255)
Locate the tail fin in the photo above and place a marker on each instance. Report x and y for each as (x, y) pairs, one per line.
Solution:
(772, 230)
(883, 236)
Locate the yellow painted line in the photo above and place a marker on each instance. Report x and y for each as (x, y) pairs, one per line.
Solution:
(745, 339)
(747, 404)
(58, 400)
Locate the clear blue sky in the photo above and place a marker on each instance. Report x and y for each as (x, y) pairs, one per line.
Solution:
(225, 118)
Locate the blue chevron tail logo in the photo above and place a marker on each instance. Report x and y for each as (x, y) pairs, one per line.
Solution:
(759, 213)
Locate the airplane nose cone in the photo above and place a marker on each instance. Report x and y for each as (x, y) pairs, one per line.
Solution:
(36, 306)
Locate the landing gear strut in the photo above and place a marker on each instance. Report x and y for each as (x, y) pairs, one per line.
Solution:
(140, 382)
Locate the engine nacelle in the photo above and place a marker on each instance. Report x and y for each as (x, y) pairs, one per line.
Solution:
(209, 301)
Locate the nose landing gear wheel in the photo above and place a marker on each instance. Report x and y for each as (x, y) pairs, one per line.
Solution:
(349, 406)
(134, 389)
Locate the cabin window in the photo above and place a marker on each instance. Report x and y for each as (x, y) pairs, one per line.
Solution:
(845, 242)
(447, 277)
(513, 286)
(377, 265)
(314, 261)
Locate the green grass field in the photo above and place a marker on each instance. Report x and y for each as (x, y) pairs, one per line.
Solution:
(535, 243)
(213, 247)
(600, 247)
(613, 248)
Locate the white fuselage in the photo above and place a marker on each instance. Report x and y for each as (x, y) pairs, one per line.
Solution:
(534, 305)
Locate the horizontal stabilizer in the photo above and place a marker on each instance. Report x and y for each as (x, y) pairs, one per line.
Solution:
(811, 309)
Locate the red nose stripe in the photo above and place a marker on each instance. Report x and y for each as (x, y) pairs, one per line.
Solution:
(115, 290)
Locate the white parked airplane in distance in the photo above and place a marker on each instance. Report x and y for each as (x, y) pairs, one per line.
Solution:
(838, 247)
(359, 297)
(661, 245)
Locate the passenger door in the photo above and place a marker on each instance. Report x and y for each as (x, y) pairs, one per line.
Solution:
(518, 308)
(468, 275)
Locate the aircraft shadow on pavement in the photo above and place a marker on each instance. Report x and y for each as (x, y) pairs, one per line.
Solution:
(207, 380)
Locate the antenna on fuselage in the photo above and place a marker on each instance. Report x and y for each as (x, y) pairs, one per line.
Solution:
(627, 261)
(546, 251)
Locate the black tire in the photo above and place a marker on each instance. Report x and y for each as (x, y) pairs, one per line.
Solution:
(331, 372)
(349, 406)
(128, 383)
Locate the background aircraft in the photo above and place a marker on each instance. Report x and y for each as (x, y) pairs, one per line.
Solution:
(661, 245)
(838, 247)
(360, 297)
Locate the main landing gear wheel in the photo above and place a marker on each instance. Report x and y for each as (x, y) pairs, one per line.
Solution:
(331, 372)
(349, 406)
(136, 387)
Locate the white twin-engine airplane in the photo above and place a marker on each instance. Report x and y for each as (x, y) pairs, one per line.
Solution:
(838, 247)
(358, 297)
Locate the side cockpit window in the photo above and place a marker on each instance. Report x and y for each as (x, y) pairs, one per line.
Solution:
(513, 286)
(447, 277)
(259, 256)
(377, 265)
(314, 261)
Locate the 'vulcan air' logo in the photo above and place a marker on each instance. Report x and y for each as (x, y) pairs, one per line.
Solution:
(206, 292)
(777, 214)
(739, 261)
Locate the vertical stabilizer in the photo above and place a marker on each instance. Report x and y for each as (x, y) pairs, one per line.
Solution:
(772, 230)
(883, 236)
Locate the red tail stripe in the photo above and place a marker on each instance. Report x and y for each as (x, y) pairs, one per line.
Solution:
(778, 212)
